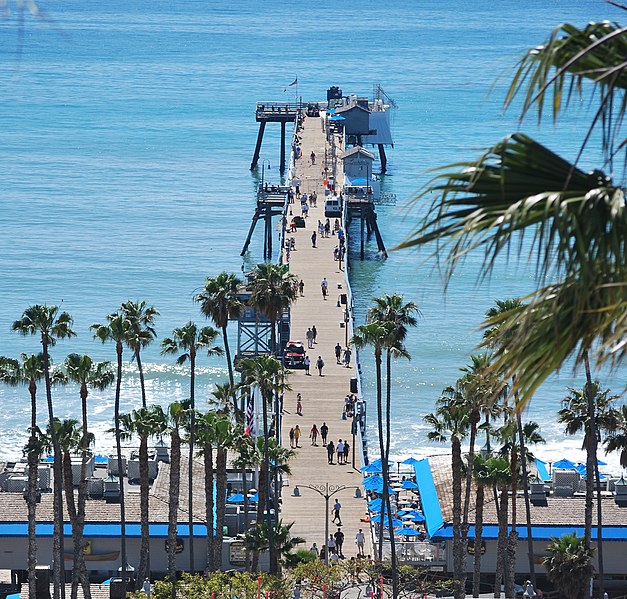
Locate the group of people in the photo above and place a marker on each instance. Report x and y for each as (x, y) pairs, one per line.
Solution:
(311, 335)
(343, 356)
(342, 449)
(294, 437)
(335, 543)
(349, 405)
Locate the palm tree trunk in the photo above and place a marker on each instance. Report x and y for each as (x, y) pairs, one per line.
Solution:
(501, 542)
(599, 530)
(512, 540)
(525, 482)
(209, 505)
(58, 565)
(458, 558)
(262, 506)
(474, 419)
(261, 492)
(32, 493)
(384, 495)
(142, 382)
(385, 466)
(221, 458)
(476, 579)
(173, 508)
(71, 510)
(118, 447)
(143, 569)
(82, 497)
(190, 470)
(229, 364)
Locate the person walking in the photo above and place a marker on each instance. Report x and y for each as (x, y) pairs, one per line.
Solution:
(307, 364)
(331, 544)
(340, 451)
(327, 228)
(338, 353)
(320, 365)
(313, 157)
(324, 431)
(301, 288)
(360, 540)
(347, 450)
(309, 336)
(324, 286)
(292, 437)
(330, 452)
(339, 541)
(313, 435)
(299, 404)
(314, 236)
(314, 330)
(337, 506)
(347, 357)
(296, 435)
(314, 549)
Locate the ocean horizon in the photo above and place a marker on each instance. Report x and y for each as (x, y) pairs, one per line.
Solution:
(126, 135)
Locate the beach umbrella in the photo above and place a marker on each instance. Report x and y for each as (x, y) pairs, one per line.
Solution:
(379, 489)
(601, 463)
(417, 516)
(375, 505)
(395, 521)
(254, 498)
(564, 464)
(407, 532)
(237, 498)
(372, 481)
(378, 463)
(370, 468)
(410, 461)
(409, 484)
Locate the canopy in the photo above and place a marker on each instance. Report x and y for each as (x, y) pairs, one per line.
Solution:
(370, 468)
(409, 484)
(337, 117)
(564, 464)
(417, 516)
(379, 489)
(239, 498)
(378, 463)
(407, 532)
(372, 481)
(361, 181)
(410, 461)
(375, 505)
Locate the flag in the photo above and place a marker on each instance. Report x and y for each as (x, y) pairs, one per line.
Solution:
(250, 416)
(295, 82)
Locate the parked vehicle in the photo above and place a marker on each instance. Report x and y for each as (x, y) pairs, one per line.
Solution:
(333, 207)
(294, 354)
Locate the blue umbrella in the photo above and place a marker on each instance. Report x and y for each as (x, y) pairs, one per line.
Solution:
(395, 521)
(564, 464)
(379, 489)
(410, 461)
(407, 532)
(409, 484)
(370, 468)
(372, 481)
(48, 459)
(378, 463)
(601, 463)
(417, 516)
(237, 498)
(375, 505)
(254, 498)
(581, 469)
(337, 117)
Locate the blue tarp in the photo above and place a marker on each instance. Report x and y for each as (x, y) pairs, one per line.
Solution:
(428, 497)
(542, 471)
(540, 533)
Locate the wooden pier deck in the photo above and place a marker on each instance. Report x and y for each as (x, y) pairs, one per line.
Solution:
(322, 397)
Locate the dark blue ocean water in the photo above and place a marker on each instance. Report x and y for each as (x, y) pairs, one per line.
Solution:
(126, 133)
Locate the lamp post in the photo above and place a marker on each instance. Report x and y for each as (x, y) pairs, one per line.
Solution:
(346, 321)
(327, 491)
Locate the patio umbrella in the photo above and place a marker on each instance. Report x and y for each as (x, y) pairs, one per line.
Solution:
(372, 481)
(379, 489)
(410, 461)
(375, 505)
(237, 498)
(370, 468)
(407, 532)
(379, 463)
(395, 521)
(409, 484)
(337, 117)
(417, 516)
(564, 464)
(254, 498)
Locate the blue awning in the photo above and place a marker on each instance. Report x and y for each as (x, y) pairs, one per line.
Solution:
(540, 533)
(428, 497)
(542, 471)
(109, 529)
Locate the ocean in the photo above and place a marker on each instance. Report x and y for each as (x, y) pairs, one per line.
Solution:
(126, 134)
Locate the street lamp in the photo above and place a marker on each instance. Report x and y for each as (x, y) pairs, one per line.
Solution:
(327, 491)
(346, 321)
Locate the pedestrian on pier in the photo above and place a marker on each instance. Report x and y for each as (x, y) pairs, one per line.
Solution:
(313, 198)
(320, 228)
(347, 357)
(340, 451)
(337, 506)
(330, 452)
(314, 330)
(339, 541)
(338, 353)
(347, 450)
(313, 435)
(296, 435)
(327, 228)
(331, 544)
(314, 549)
(292, 437)
(306, 364)
(336, 253)
(360, 540)
(324, 431)
(314, 236)
(301, 288)
(324, 286)
(320, 365)
(299, 404)
(313, 157)
(310, 337)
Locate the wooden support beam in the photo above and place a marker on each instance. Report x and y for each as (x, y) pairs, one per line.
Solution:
(250, 232)
(361, 232)
(282, 165)
(372, 217)
(262, 128)
(383, 158)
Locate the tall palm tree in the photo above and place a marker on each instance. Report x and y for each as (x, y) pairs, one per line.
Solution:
(616, 440)
(189, 339)
(273, 290)
(578, 414)
(82, 370)
(145, 423)
(116, 329)
(141, 332)
(50, 324)
(568, 565)
(219, 301)
(28, 372)
(450, 423)
(481, 474)
(577, 220)
(266, 374)
(501, 476)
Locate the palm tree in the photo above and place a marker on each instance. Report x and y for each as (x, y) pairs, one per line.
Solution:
(190, 339)
(219, 301)
(577, 219)
(50, 324)
(266, 374)
(116, 329)
(569, 565)
(481, 474)
(500, 476)
(82, 370)
(29, 372)
(257, 539)
(273, 290)
(143, 422)
(590, 410)
(450, 423)
(140, 333)
(616, 441)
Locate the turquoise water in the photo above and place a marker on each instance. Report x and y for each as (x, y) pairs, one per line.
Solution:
(126, 133)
